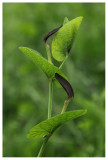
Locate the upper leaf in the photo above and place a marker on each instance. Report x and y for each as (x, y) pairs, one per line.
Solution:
(48, 126)
(63, 39)
(48, 68)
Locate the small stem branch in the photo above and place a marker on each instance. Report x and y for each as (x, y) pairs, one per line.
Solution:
(63, 62)
(65, 105)
(50, 98)
(43, 146)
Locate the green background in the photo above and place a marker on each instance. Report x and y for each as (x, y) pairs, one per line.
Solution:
(25, 87)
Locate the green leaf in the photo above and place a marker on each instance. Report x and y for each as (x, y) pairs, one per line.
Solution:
(48, 68)
(63, 39)
(48, 126)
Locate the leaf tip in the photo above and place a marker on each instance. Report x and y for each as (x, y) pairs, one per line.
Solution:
(21, 48)
(65, 20)
(80, 19)
(84, 111)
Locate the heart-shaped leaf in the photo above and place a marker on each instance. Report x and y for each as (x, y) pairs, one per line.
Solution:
(63, 39)
(50, 125)
(48, 68)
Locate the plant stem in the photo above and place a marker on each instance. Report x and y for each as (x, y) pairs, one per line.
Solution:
(43, 146)
(50, 98)
(50, 82)
(48, 53)
(49, 103)
(65, 105)
(63, 62)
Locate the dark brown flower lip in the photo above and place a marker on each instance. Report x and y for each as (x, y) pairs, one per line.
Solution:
(66, 85)
(51, 33)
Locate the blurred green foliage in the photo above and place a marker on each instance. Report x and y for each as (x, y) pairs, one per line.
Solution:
(25, 87)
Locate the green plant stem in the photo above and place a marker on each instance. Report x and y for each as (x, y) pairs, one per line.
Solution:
(65, 105)
(49, 103)
(50, 82)
(50, 98)
(43, 146)
(48, 53)
(63, 62)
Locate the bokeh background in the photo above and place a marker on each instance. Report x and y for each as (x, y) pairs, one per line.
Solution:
(25, 87)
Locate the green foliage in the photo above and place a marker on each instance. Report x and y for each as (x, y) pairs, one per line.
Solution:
(63, 39)
(49, 126)
(25, 24)
(48, 68)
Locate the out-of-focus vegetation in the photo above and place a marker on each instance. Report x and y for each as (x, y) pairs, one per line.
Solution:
(25, 87)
